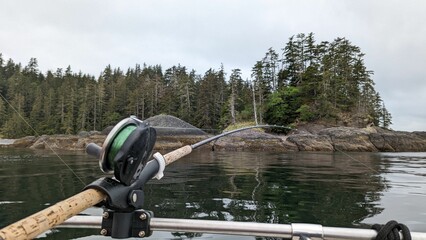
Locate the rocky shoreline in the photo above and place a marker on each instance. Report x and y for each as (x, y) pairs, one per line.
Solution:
(348, 139)
(173, 133)
(370, 139)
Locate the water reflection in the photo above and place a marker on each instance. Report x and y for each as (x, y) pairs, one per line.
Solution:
(317, 188)
(323, 188)
(30, 181)
(404, 200)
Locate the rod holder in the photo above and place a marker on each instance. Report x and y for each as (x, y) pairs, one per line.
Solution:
(126, 224)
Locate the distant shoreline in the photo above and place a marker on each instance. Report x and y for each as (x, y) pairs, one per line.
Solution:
(306, 138)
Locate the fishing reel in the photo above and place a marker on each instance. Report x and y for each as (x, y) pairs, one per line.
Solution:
(125, 150)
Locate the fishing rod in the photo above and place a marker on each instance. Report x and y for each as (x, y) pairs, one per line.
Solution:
(125, 153)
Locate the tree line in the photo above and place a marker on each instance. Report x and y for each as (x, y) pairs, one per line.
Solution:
(324, 82)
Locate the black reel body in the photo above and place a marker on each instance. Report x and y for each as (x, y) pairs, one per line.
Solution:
(126, 149)
(125, 152)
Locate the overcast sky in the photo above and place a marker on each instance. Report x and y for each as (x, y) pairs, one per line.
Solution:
(202, 34)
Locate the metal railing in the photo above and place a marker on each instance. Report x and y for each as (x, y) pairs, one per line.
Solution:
(287, 231)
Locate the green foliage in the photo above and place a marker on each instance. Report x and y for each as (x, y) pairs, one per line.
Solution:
(3, 111)
(385, 117)
(305, 113)
(16, 126)
(282, 106)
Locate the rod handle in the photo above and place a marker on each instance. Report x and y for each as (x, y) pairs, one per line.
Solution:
(36, 224)
(177, 154)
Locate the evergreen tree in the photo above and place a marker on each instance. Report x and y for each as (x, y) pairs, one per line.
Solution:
(83, 109)
(386, 117)
(235, 83)
(270, 69)
(99, 104)
(282, 106)
(210, 99)
(3, 83)
(186, 87)
(16, 125)
(36, 115)
(3, 112)
(169, 101)
(262, 88)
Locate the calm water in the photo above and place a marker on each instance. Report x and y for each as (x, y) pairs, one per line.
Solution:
(324, 188)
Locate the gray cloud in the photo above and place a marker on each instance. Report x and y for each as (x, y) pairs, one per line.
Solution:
(88, 35)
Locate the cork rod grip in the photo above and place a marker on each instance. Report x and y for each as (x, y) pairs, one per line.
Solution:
(177, 154)
(46, 219)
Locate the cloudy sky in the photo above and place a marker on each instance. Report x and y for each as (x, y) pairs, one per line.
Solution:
(202, 34)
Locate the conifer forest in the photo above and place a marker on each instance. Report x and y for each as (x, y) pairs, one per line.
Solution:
(305, 81)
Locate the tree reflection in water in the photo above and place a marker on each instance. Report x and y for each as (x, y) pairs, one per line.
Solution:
(322, 188)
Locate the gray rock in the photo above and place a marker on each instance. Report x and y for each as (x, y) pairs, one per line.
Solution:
(380, 143)
(91, 133)
(255, 141)
(420, 134)
(349, 139)
(83, 134)
(24, 142)
(311, 142)
(405, 141)
(307, 129)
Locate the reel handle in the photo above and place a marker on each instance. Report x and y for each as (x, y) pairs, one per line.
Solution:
(94, 150)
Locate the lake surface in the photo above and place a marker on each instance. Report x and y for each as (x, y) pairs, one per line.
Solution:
(332, 189)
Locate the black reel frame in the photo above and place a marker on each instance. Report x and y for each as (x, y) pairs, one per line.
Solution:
(133, 153)
(123, 216)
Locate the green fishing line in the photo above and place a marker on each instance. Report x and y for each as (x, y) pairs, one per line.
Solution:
(118, 142)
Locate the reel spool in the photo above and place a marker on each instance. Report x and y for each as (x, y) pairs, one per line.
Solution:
(126, 149)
